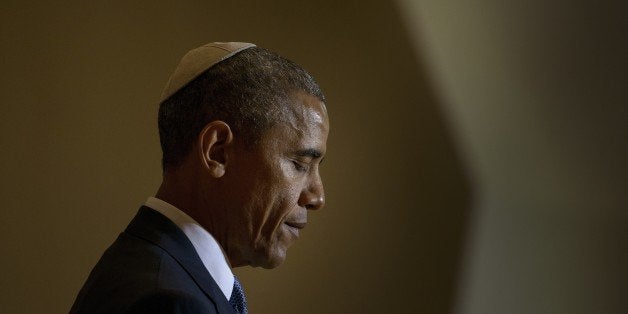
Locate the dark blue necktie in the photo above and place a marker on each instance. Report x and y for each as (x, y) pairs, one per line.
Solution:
(237, 299)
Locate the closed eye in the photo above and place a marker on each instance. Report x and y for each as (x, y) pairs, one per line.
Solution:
(305, 157)
(299, 166)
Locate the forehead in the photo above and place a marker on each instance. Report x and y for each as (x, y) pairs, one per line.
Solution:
(306, 109)
(304, 118)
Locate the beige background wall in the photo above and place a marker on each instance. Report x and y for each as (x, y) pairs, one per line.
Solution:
(80, 150)
(471, 167)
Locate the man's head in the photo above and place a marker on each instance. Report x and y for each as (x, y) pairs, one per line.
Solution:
(249, 91)
(242, 144)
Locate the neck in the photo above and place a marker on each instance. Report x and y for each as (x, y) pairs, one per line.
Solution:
(185, 188)
(178, 192)
(189, 192)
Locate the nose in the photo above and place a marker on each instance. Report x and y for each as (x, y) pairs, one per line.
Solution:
(313, 196)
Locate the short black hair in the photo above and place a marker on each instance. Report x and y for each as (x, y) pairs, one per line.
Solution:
(248, 91)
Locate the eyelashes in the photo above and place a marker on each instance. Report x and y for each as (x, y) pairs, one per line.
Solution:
(300, 166)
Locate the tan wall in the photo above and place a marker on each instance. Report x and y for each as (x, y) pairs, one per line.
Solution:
(523, 106)
(80, 151)
(538, 93)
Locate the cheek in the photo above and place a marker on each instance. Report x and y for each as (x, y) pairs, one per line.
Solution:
(277, 207)
(276, 197)
(280, 205)
(292, 182)
(263, 210)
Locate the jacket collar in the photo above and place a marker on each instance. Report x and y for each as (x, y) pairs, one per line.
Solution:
(154, 227)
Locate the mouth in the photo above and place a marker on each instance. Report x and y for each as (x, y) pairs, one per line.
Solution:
(296, 225)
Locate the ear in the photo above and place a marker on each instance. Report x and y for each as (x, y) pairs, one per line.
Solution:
(212, 142)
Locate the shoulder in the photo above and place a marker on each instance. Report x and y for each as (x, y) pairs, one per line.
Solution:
(170, 301)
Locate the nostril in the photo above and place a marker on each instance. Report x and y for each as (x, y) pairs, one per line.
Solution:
(314, 204)
(311, 200)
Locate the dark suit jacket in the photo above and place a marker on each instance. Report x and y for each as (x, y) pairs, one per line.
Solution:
(151, 268)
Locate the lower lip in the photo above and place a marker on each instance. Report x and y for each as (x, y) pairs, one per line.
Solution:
(293, 230)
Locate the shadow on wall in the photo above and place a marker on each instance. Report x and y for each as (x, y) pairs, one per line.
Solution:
(390, 238)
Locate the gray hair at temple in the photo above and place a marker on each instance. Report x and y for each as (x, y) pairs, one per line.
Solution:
(250, 90)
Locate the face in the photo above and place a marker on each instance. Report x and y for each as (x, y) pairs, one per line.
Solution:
(275, 183)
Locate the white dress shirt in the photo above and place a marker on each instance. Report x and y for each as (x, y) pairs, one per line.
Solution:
(204, 243)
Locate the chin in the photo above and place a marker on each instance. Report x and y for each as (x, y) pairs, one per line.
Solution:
(271, 259)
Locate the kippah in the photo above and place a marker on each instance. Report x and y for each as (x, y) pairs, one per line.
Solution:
(196, 61)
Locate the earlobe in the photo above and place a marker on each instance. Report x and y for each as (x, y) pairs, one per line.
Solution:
(212, 141)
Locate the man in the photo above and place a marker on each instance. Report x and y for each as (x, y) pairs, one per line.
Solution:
(243, 132)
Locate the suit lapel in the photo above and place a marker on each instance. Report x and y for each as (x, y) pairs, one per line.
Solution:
(154, 227)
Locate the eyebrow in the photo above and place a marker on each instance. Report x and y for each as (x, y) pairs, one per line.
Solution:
(310, 152)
